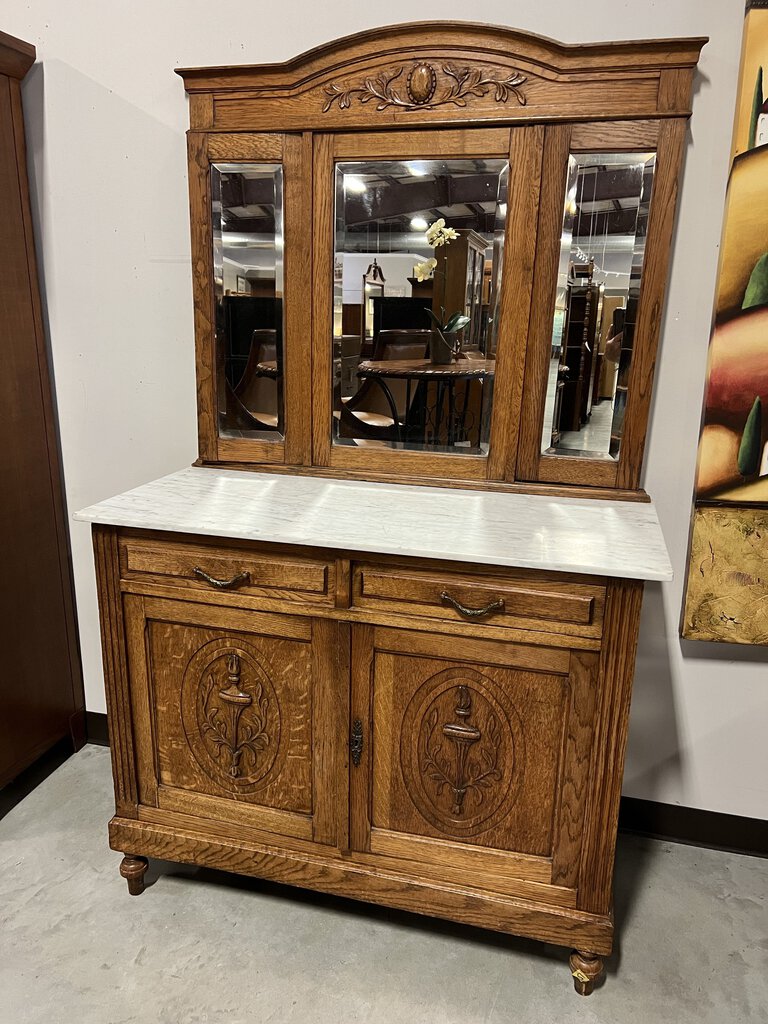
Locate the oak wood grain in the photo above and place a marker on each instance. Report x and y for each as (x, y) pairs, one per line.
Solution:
(525, 156)
(617, 663)
(561, 925)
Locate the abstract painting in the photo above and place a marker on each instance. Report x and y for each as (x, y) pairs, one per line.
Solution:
(727, 586)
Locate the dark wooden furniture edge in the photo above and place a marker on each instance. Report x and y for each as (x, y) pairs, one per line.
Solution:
(16, 56)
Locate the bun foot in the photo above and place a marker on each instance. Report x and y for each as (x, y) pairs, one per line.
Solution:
(586, 968)
(133, 870)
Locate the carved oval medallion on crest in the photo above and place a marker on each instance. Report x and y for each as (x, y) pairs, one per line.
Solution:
(461, 752)
(230, 714)
(421, 83)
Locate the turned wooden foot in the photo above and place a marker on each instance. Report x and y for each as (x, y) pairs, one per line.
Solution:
(133, 870)
(586, 968)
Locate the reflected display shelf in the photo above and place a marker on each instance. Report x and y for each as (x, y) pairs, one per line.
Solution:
(604, 538)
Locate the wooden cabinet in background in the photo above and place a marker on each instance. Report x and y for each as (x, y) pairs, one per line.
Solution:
(41, 688)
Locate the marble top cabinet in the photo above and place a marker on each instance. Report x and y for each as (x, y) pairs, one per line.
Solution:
(380, 640)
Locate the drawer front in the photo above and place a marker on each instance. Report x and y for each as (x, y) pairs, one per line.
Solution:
(218, 569)
(519, 601)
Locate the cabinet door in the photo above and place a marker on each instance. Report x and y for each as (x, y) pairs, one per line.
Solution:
(236, 716)
(476, 762)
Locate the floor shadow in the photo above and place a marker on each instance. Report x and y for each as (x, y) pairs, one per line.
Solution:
(341, 905)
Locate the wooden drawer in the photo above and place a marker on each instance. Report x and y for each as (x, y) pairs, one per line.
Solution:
(520, 600)
(230, 570)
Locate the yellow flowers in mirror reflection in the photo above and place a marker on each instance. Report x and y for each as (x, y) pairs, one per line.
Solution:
(439, 234)
(436, 234)
(423, 271)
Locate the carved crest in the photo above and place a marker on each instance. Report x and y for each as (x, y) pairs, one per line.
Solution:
(231, 715)
(456, 768)
(462, 752)
(233, 738)
(423, 88)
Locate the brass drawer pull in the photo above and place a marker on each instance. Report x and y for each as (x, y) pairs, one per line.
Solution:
(472, 613)
(237, 580)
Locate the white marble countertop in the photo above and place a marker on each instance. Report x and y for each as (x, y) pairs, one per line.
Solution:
(585, 535)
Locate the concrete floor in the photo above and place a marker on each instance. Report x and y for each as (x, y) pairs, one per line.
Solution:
(76, 949)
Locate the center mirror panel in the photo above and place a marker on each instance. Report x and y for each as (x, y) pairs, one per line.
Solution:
(418, 251)
(247, 224)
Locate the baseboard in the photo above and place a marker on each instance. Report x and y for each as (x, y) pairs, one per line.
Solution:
(96, 728)
(694, 826)
(688, 825)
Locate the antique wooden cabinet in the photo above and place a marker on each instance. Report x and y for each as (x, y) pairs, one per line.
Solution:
(380, 640)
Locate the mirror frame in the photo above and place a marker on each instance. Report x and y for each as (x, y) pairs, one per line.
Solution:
(666, 139)
(205, 150)
(361, 97)
(522, 147)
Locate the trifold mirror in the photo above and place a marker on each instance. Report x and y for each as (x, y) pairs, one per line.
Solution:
(247, 230)
(418, 248)
(602, 248)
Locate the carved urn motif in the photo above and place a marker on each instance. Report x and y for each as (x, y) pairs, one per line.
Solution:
(422, 81)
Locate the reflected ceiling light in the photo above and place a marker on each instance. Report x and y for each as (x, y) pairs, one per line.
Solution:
(418, 170)
(352, 184)
(503, 209)
(419, 224)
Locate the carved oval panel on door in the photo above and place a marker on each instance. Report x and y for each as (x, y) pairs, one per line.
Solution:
(461, 751)
(231, 715)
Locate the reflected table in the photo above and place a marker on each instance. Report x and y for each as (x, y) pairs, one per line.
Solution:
(419, 417)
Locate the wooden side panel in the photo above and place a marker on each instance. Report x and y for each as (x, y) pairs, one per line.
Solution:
(574, 783)
(202, 287)
(119, 716)
(40, 684)
(617, 666)
(652, 292)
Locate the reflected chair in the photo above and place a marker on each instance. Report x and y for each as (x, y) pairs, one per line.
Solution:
(377, 410)
(254, 402)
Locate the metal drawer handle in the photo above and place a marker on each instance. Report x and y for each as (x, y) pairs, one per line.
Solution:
(472, 613)
(237, 580)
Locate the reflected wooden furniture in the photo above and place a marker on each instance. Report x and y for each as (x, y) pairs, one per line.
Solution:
(460, 290)
(436, 731)
(41, 688)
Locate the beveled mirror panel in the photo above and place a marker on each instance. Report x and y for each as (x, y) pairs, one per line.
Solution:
(418, 251)
(247, 223)
(598, 287)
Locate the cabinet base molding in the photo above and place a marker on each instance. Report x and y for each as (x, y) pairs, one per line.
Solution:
(341, 876)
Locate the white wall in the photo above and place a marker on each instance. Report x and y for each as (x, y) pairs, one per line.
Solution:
(106, 121)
